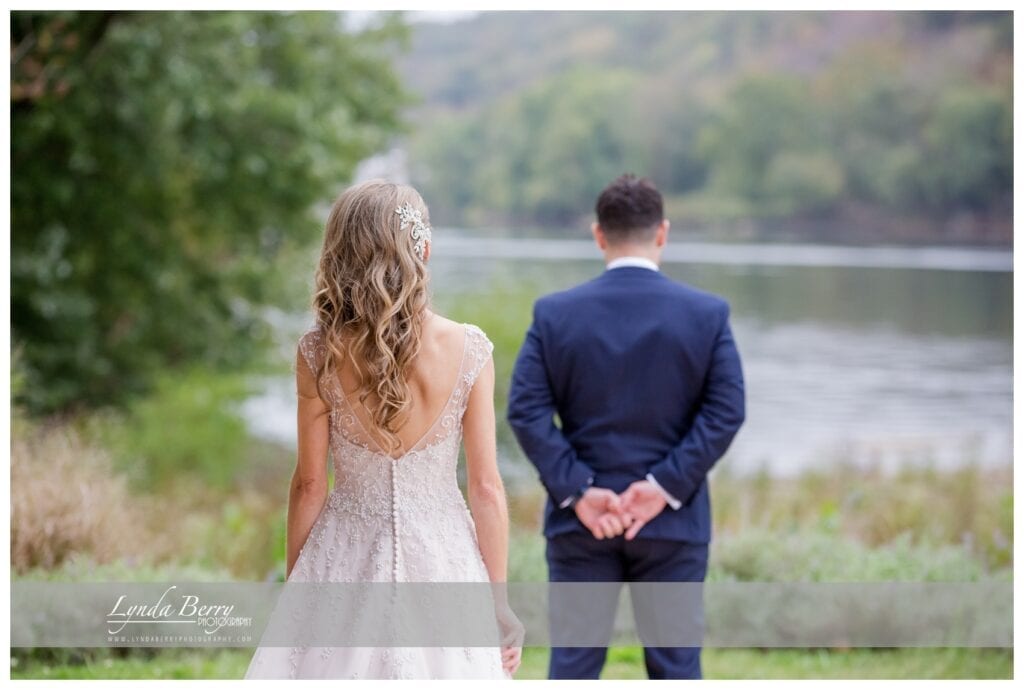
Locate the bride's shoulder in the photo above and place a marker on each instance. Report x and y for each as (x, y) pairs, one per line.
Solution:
(475, 346)
(456, 331)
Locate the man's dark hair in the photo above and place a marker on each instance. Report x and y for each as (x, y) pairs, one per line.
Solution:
(629, 209)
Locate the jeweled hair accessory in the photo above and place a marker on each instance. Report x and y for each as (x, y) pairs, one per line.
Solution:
(412, 218)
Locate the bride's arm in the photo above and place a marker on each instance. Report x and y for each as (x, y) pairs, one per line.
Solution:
(489, 508)
(308, 490)
(484, 486)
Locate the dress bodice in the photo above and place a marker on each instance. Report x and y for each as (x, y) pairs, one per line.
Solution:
(407, 509)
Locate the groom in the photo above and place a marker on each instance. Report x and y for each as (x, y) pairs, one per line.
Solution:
(645, 378)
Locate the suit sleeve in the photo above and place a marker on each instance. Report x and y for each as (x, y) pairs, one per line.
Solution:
(720, 415)
(531, 410)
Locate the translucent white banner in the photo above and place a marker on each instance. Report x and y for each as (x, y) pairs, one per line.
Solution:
(585, 614)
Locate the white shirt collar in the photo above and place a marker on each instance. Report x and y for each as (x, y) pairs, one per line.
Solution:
(637, 261)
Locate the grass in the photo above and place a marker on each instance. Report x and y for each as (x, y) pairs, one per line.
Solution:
(627, 663)
(622, 663)
(67, 499)
(180, 663)
(105, 519)
(874, 506)
(849, 523)
(846, 523)
(859, 663)
(188, 425)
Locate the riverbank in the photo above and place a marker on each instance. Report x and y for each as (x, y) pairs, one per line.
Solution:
(842, 523)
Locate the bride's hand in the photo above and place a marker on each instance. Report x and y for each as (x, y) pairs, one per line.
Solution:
(512, 636)
(510, 659)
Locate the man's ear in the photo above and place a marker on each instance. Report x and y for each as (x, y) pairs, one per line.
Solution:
(661, 237)
(599, 237)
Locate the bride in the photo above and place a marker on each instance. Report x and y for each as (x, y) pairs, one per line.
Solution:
(389, 390)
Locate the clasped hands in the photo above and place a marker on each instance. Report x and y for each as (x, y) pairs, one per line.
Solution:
(608, 514)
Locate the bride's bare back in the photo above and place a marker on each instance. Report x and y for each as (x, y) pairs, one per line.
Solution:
(432, 380)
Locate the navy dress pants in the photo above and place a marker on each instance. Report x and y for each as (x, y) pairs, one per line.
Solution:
(579, 557)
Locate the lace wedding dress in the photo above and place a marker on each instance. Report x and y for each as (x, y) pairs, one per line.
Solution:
(390, 519)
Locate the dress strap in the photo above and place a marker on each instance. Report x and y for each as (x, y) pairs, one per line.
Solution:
(312, 347)
(478, 352)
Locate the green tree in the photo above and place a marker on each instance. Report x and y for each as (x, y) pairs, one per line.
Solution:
(876, 113)
(162, 161)
(968, 150)
(767, 145)
(540, 156)
(582, 138)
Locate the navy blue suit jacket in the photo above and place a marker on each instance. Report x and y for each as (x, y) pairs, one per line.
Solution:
(644, 376)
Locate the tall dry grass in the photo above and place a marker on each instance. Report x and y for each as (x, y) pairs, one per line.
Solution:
(69, 503)
(66, 500)
(970, 506)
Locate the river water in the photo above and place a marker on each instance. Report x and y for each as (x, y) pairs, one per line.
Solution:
(877, 356)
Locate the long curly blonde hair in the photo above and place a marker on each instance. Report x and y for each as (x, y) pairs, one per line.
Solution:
(370, 299)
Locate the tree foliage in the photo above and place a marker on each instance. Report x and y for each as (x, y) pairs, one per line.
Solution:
(767, 115)
(161, 162)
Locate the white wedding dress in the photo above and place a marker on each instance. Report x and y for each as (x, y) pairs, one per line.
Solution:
(390, 520)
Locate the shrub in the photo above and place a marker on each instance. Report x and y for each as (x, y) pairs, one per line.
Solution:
(67, 500)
